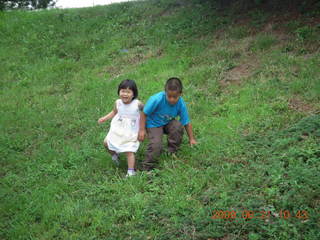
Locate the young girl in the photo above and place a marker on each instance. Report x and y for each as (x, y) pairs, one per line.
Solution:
(123, 133)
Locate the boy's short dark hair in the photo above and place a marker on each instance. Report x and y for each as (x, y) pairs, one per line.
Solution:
(129, 84)
(173, 84)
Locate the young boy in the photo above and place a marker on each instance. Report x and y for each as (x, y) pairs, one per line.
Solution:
(158, 117)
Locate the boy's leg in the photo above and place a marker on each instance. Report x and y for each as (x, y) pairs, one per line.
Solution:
(154, 147)
(174, 130)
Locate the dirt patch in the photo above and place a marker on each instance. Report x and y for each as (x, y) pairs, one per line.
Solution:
(237, 74)
(132, 57)
(156, 53)
(112, 70)
(299, 105)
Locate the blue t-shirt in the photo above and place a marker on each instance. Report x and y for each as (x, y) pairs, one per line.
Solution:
(159, 111)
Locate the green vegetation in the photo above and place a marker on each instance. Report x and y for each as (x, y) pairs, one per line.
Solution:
(252, 85)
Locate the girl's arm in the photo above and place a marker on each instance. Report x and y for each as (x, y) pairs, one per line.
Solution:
(188, 128)
(109, 115)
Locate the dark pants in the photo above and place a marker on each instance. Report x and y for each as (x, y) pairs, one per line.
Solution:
(174, 130)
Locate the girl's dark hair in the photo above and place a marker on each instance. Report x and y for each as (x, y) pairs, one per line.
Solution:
(129, 84)
(173, 84)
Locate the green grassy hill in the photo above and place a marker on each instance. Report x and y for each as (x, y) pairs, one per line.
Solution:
(252, 87)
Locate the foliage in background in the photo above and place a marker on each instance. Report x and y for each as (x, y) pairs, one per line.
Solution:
(26, 4)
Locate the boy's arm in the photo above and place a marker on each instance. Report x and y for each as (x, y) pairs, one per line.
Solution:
(188, 128)
(184, 119)
(109, 115)
(147, 109)
(142, 124)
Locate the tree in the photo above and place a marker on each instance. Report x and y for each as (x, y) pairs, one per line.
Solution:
(26, 4)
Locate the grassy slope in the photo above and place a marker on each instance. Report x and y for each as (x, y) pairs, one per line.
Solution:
(252, 86)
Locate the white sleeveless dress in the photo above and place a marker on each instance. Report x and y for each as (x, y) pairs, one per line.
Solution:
(124, 128)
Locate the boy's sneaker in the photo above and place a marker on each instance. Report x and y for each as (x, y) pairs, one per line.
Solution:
(115, 159)
(171, 154)
(151, 172)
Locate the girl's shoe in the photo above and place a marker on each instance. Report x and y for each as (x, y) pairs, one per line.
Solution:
(130, 174)
(115, 159)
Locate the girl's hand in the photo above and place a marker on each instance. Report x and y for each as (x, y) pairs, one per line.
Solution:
(101, 120)
(141, 135)
(192, 142)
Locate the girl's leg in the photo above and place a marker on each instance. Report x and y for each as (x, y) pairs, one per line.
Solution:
(131, 164)
(131, 160)
(114, 155)
(107, 148)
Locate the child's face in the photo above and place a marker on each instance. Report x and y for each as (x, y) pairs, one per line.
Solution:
(172, 96)
(126, 95)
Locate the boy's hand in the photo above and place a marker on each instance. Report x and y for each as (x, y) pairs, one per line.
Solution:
(101, 120)
(141, 135)
(192, 141)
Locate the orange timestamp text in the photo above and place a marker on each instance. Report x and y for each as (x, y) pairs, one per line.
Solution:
(250, 214)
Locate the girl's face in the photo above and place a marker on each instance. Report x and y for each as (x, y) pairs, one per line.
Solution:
(126, 95)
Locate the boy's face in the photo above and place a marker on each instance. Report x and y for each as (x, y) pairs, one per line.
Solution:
(126, 95)
(172, 96)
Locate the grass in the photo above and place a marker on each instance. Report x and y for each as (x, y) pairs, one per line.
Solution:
(253, 98)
